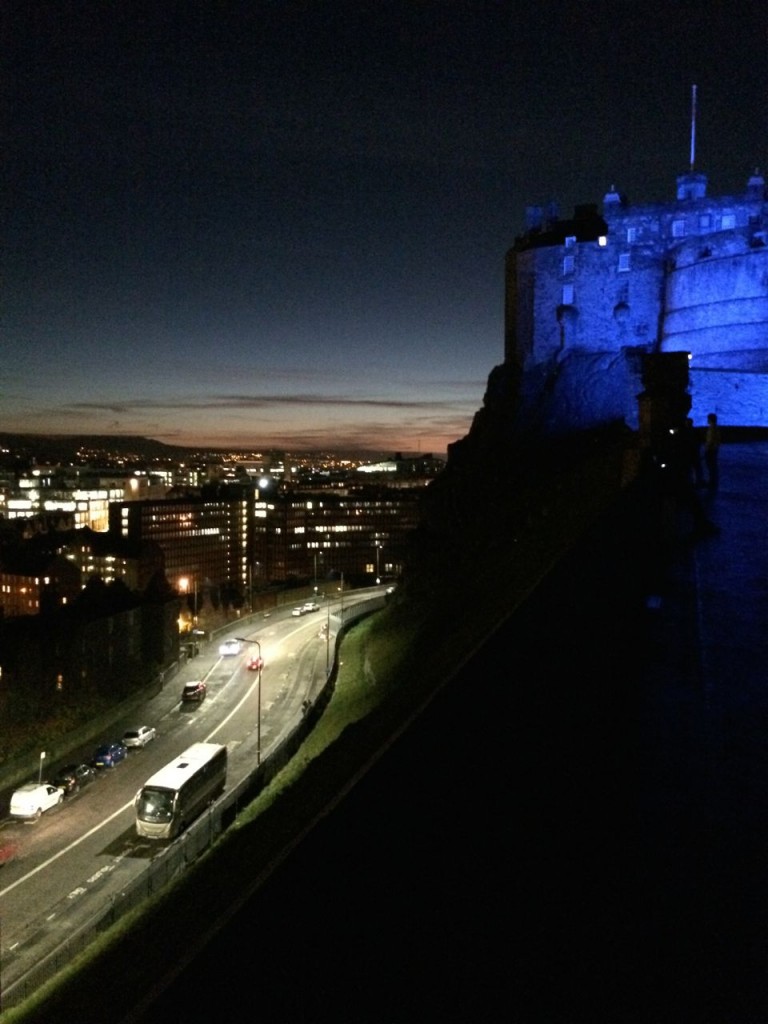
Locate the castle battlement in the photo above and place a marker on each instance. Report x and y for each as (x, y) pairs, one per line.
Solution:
(586, 295)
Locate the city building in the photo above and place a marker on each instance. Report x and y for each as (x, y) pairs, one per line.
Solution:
(79, 496)
(361, 533)
(51, 568)
(205, 541)
(29, 580)
(249, 525)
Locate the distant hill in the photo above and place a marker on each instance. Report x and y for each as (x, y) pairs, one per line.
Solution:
(83, 448)
(66, 447)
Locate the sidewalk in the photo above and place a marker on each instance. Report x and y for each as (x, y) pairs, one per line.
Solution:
(708, 670)
(703, 747)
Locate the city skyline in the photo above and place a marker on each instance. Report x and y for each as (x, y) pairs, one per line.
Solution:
(284, 225)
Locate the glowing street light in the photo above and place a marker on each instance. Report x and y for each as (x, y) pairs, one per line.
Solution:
(327, 634)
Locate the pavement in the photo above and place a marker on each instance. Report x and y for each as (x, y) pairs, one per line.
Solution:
(703, 734)
(646, 844)
(706, 670)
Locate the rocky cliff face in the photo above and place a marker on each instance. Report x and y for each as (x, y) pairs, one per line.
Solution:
(509, 503)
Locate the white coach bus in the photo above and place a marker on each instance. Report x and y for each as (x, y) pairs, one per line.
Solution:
(173, 797)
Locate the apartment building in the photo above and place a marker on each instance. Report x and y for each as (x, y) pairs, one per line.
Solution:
(205, 541)
(361, 533)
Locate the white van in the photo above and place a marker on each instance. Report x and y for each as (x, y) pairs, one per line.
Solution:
(31, 800)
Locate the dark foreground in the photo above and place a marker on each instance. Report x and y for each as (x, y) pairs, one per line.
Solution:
(576, 831)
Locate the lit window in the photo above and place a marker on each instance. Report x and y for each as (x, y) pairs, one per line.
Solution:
(567, 294)
(568, 265)
(678, 228)
(624, 261)
(729, 221)
(631, 235)
(705, 221)
(602, 241)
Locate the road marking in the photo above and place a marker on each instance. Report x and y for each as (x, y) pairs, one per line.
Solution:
(86, 835)
(234, 711)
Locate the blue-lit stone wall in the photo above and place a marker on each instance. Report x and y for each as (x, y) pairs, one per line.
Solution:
(587, 297)
(716, 303)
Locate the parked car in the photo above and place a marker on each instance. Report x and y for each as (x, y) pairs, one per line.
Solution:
(193, 692)
(73, 777)
(311, 606)
(255, 663)
(298, 610)
(230, 647)
(33, 799)
(109, 755)
(139, 737)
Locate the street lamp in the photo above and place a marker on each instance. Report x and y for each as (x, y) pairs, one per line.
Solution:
(327, 634)
(378, 549)
(258, 705)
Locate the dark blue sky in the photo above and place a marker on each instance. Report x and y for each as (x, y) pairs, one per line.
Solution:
(283, 224)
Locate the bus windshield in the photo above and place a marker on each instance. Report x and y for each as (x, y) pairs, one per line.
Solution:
(155, 804)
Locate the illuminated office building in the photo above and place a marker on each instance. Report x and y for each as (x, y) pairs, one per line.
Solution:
(362, 534)
(204, 542)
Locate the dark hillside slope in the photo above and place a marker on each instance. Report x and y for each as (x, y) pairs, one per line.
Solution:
(486, 867)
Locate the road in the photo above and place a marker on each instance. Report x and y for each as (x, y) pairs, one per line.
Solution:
(81, 854)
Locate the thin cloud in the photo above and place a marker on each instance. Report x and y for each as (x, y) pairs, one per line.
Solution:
(247, 402)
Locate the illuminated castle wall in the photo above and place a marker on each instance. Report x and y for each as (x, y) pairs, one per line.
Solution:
(586, 297)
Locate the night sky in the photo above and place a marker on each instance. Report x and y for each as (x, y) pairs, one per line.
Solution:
(283, 224)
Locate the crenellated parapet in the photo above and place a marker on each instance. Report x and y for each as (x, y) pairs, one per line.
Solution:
(586, 297)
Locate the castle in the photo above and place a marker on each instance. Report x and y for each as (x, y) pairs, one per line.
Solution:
(588, 297)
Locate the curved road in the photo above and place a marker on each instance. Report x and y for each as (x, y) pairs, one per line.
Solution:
(71, 860)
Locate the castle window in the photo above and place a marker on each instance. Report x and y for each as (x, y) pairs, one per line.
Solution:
(729, 221)
(569, 241)
(567, 294)
(568, 265)
(624, 261)
(631, 235)
(678, 228)
(705, 222)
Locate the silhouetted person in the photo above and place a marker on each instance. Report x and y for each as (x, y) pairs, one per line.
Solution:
(692, 445)
(712, 452)
(675, 467)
